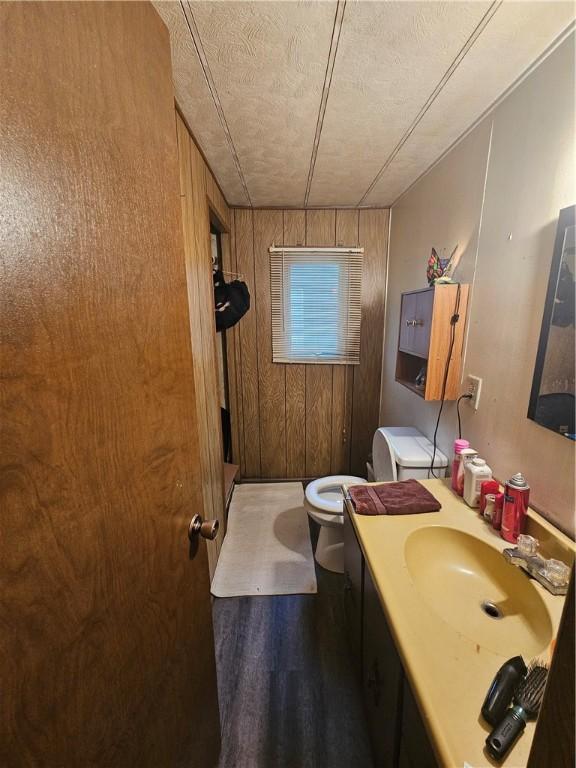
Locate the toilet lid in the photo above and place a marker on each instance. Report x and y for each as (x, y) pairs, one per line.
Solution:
(326, 492)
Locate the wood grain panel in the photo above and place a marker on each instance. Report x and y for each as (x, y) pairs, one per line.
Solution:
(554, 742)
(343, 375)
(250, 460)
(99, 437)
(320, 227)
(295, 234)
(194, 304)
(217, 201)
(268, 229)
(294, 228)
(209, 362)
(320, 230)
(373, 236)
(319, 399)
(233, 363)
(196, 222)
(445, 302)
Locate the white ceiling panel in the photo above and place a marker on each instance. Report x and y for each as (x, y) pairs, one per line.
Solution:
(251, 79)
(196, 102)
(268, 61)
(516, 35)
(390, 58)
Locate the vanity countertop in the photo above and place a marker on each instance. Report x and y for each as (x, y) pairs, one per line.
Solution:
(448, 669)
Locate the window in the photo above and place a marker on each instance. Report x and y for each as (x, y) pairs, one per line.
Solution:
(316, 307)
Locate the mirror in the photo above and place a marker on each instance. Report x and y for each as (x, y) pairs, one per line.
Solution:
(552, 397)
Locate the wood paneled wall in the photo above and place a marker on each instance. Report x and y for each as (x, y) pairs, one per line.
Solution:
(303, 420)
(200, 197)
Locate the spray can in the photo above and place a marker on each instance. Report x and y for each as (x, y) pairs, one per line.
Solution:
(516, 496)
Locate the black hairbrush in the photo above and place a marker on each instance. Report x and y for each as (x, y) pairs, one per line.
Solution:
(527, 700)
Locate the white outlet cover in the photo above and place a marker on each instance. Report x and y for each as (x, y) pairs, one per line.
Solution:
(474, 387)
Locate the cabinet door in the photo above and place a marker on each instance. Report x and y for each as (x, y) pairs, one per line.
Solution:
(423, 320)
(415, 748)
(407, 316)
(382, 680)
(353, 589)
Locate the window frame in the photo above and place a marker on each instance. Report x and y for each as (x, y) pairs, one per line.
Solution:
(349, 261)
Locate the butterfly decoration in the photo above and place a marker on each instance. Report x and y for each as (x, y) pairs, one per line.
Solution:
(438, 267)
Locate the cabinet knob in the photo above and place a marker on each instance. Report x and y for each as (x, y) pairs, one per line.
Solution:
(208, 529)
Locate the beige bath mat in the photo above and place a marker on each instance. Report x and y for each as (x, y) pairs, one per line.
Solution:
(267, 548)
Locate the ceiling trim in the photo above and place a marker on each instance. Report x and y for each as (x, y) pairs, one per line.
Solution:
(196, 39)
(482, 24)
(329, 207)
(338, 21)
(199, 148)
(570, 29)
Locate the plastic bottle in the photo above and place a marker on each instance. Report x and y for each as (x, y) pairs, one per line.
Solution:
(466, 456)
(459, 446)
(475, 473)
(497, 514)
(487, 487)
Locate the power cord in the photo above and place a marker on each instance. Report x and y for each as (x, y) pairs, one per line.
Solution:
(462, 397)
(453, 320)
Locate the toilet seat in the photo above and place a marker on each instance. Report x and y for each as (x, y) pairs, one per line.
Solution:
(334, 506)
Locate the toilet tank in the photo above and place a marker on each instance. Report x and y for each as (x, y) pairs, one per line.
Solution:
(400, 453)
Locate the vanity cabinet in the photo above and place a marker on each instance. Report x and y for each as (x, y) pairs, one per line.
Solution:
(415, 748)
(424, 340)
(399, 739)
(353, 591)
(382, 679)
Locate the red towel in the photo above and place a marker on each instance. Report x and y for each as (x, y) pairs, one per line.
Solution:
(407, 497)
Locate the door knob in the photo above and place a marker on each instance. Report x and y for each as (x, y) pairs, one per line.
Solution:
(208, 529)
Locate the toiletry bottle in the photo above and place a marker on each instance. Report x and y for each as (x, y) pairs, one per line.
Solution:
(516, 496)
(475, 472)
(487, 486)
(497, 514)
(489, 507)
(459, 446)
(466, 455)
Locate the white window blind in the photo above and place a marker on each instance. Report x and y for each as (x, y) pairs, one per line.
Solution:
(316, 304)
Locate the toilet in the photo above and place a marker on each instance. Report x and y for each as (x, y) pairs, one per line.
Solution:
(398, 453)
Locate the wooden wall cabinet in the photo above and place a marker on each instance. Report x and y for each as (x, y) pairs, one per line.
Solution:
(399, 739)
(424, 340)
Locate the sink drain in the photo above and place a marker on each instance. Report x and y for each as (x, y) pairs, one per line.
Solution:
(491, 609)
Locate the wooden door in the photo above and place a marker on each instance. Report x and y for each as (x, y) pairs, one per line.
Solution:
(106, 646)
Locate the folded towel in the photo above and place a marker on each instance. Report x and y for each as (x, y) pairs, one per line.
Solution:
(407, 497)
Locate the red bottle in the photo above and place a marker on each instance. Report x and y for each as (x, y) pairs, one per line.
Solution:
(497, 516)
(516, 496)
(488, 486)
(459, 446)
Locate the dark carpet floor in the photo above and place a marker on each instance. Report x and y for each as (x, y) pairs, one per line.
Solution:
(289, 696)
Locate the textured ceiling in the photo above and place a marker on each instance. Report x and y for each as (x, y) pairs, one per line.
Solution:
(343, 103)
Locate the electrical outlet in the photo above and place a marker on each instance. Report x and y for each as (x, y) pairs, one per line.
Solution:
(474, 387)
